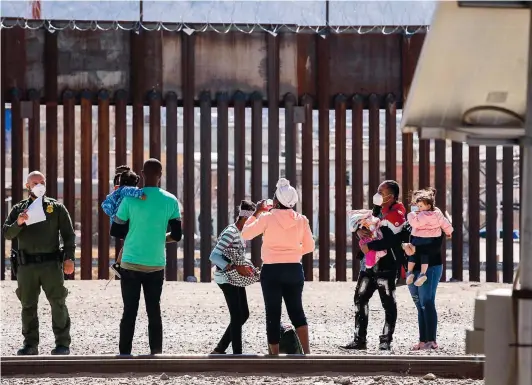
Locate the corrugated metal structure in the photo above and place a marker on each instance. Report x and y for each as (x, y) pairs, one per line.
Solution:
(223, 59)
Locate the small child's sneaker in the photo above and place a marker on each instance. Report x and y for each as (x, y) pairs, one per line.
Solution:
(420, 280)
(409, 278)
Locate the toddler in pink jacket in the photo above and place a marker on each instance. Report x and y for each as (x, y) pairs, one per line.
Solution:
(427, 222)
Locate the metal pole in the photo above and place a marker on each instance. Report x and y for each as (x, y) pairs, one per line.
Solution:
(524, 351)
(327, 13)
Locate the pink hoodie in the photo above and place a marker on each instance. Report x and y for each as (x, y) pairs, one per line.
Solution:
(429, 224)
(287, 235)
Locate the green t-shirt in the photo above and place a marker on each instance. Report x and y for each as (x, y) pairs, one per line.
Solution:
(148, 224)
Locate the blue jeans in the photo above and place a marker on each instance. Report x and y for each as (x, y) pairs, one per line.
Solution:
(424, 297)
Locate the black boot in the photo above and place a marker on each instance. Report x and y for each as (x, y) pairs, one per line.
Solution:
(28, 351)
(385, 343)
(60, 351)
(357, 344)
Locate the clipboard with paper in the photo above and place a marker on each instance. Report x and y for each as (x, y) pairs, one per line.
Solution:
(35, 212)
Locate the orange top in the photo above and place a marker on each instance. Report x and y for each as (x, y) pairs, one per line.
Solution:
(286, 235)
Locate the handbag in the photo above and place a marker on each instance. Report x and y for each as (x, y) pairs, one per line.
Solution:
(237, 256)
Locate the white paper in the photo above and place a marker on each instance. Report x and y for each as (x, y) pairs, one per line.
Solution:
(35, 212)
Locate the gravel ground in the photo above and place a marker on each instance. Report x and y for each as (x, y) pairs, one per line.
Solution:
(195, 315)
(234, 380)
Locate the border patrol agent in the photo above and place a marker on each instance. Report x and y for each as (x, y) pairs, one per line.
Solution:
(39, 262)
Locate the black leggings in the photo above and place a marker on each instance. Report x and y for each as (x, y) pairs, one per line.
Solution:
(237, 302)
(282, 281)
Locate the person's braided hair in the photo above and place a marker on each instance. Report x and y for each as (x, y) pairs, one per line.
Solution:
(129, 178)
(119, 170)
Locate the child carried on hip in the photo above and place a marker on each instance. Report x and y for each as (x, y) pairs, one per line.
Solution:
(125, 185)
(427, 222)
(370, 220)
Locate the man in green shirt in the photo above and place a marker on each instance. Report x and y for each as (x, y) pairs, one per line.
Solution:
(41, 263)
(144, 224)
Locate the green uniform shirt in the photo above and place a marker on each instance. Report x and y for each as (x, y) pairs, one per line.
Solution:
(42, 237)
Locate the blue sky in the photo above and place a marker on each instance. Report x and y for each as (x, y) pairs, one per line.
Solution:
(341, 12)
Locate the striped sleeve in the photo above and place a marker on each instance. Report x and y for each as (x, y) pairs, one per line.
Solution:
(226, 239)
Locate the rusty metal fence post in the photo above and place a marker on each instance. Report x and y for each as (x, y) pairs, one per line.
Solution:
(457, 211)
(205, 217)
(240, 148)
(187, 71)
(86, 184)
(391, 138)
(491, 208)
(357, 178)
(120, 143)
(69, 158)
(154, 99)
(34, 131)
(474, 213)
(322, 55)
(103, 183)
(290, 135)
(508, 214)
(256, 165)
(51, 95)
(307, 179)
(171, 175)
(440, 183)
(340, 188)
(17, 152)
(222, 164)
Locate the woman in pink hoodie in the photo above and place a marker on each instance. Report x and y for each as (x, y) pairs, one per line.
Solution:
(286, 238)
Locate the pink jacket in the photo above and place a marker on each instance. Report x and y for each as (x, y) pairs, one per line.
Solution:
(429, 224)
(287, 235)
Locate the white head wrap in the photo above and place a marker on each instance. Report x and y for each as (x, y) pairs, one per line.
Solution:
(245, 213)
(286, 194)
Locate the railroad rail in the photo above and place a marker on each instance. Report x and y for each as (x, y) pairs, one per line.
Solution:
(415, 365)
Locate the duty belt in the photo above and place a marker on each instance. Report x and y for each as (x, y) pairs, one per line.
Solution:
(25, 258)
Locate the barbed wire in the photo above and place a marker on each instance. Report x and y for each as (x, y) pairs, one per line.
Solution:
(273, 16)
(95, 25)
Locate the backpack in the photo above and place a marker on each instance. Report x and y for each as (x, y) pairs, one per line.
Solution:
(289, 342)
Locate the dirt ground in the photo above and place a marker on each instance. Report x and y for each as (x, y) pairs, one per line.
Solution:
(195, 315)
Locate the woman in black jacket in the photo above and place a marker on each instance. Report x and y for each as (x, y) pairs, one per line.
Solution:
(381, 277)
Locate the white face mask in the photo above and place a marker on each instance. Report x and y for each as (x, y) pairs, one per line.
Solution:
(414, 209)
(378, 199)
(39, 190)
